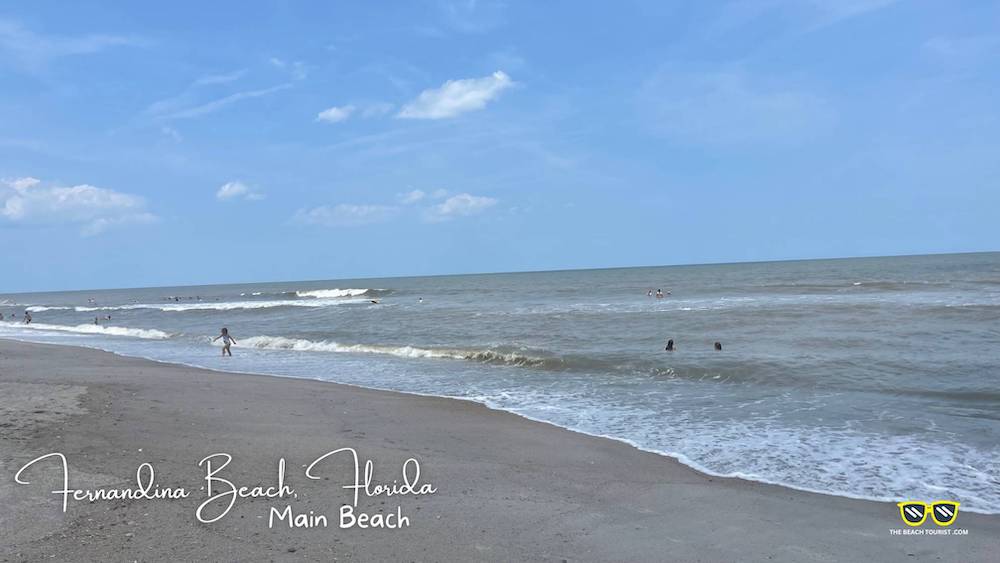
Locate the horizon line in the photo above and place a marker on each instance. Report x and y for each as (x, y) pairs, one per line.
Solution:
(555, 270)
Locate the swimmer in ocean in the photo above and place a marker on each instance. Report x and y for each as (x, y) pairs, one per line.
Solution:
(670, 345)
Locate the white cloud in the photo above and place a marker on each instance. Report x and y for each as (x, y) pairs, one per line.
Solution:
(236, 190)
(455, 97)
(22, 184)
(335, 114)
(459, 206)
(732, 108)
(26, 200)
(412, 196)
(345, 215)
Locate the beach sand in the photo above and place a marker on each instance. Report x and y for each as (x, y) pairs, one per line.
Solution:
(508, 489)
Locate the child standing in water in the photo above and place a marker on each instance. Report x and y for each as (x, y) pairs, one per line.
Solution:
(226, 342)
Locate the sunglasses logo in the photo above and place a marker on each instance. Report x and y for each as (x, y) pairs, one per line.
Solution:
(944, 512)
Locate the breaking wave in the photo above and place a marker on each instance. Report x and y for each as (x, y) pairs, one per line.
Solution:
(206, 305)
(335, 292)
(147, 333)
(483, 356)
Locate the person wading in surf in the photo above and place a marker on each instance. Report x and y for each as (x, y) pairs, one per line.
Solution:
(226, 342)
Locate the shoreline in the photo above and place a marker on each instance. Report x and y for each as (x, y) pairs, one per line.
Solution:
(675, 458)
(647, 485)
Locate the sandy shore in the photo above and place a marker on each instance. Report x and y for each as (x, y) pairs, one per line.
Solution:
(508, 489)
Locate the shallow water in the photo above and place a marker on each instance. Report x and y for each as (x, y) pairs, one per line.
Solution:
(874, 378)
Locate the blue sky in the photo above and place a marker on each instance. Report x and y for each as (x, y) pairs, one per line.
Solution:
(191, 142)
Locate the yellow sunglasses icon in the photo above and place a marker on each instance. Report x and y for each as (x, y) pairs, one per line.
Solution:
(914, 512)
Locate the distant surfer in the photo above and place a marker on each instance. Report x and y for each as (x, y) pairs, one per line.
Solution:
(227, 340)
(670, 345)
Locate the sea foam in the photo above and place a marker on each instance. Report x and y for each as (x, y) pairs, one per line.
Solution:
(335, 292)
(147, 333)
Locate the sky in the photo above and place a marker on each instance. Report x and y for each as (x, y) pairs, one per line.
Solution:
(146, 144)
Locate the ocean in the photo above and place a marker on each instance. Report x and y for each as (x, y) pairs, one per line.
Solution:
(874, 378)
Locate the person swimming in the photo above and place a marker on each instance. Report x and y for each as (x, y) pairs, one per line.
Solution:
(718, 346)
(670, 345)
(227, 340)
(659, 294)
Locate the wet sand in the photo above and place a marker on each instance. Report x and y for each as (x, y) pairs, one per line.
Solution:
(507, 488)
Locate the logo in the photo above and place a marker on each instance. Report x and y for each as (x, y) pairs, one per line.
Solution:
(914, 512)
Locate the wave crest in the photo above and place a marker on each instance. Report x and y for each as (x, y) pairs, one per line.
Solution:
(487, 356)
(335, 292)
(147, 333)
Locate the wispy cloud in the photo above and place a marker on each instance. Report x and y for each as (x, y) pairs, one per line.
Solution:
(350, 215)
(32, 51)
(456, 97)
(335, 114)
(220, 103)
(172, 133)
(835, 12)
(802, 16)
(220, 78)
(193, 94)
(473, 16)
(460, 205)
(345, 215)
(415, 196)
(376, 109)
(412, 196)
(731, 107)
(298, 70)
(237, 190)
(28, 200)
(969, 47)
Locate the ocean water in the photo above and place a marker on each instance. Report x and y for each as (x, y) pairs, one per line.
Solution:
(873, 378)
